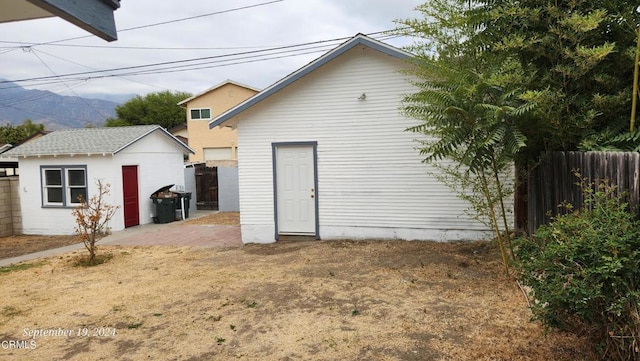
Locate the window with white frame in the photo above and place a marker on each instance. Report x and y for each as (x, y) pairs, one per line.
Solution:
(201, 114)
(62, 185)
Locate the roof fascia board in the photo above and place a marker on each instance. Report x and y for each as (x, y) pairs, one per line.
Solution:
(94, 16)
(359, 39)
(165, 132)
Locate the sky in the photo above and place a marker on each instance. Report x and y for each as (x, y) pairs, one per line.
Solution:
(251, 29)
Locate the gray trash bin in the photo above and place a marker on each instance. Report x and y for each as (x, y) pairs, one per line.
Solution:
(165, 202)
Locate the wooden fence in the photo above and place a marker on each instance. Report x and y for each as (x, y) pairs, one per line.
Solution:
(553, 181)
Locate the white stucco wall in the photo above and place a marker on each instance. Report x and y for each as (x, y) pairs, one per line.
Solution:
(371, 181)
(228, 192)
(190, 186)
(159, 161)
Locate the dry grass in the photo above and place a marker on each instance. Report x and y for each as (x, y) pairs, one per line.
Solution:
(20, 245)
(222, 218)
(374, 300)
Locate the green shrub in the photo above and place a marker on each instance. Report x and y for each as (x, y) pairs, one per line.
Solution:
(583, 270)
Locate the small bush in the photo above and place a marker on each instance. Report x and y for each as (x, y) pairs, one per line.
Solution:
(92, 217)
(583, 270)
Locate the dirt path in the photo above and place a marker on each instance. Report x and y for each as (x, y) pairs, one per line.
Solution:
(374, 300)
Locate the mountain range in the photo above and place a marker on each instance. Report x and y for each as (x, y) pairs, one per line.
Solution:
(53, 110)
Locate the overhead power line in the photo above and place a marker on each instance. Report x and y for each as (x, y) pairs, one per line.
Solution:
(301, 49)
(34, 52)
(20, 45)
(167, 22)
(202, 16)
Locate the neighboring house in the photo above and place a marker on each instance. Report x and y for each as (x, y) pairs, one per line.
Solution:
(324, 153)
(214, 146)
(56, 168)
(180, 131)
(9, 166)
(94, 16)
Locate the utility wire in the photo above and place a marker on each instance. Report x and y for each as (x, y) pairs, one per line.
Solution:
(39, 113)
(22, 44)
(88, 67)
(226, 62)
(174, 70)
(167, 22)
(110, 46)
(190, 67)
(192, 60)
(202, 16)
(34, 52)
(9, 101)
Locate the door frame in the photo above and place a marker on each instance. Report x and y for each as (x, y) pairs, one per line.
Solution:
(274, 148)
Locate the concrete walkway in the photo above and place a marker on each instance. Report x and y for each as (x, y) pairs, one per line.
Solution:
(168, 234)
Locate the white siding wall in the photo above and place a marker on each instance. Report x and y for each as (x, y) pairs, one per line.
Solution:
(159, 163)
(371, 182)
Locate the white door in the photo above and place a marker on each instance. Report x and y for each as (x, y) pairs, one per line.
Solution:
(295, 187)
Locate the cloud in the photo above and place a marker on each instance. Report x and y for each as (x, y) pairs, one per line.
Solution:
(283, 23)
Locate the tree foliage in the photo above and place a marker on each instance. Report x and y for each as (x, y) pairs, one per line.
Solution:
(578, 60)
(584, 275)
(14, 134)
(469, 112)
(154, 108)
(572, 61)
(502, 81)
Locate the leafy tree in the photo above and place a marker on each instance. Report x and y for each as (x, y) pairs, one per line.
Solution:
(154, 108)
(468, 111)
(468, 119)
(14, 134)
(572, 60)
(577, 60)
(502, 81)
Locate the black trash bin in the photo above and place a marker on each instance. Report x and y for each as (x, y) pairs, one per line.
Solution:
(165, 202)
(184, 198)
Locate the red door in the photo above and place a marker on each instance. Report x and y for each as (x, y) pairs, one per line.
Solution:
(130, 194)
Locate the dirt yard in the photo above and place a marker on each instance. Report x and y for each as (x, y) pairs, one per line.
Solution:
(19, 245)
(375, 300)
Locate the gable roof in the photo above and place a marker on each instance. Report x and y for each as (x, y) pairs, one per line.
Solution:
(228, 81)
(89, 141)
(359, 39)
